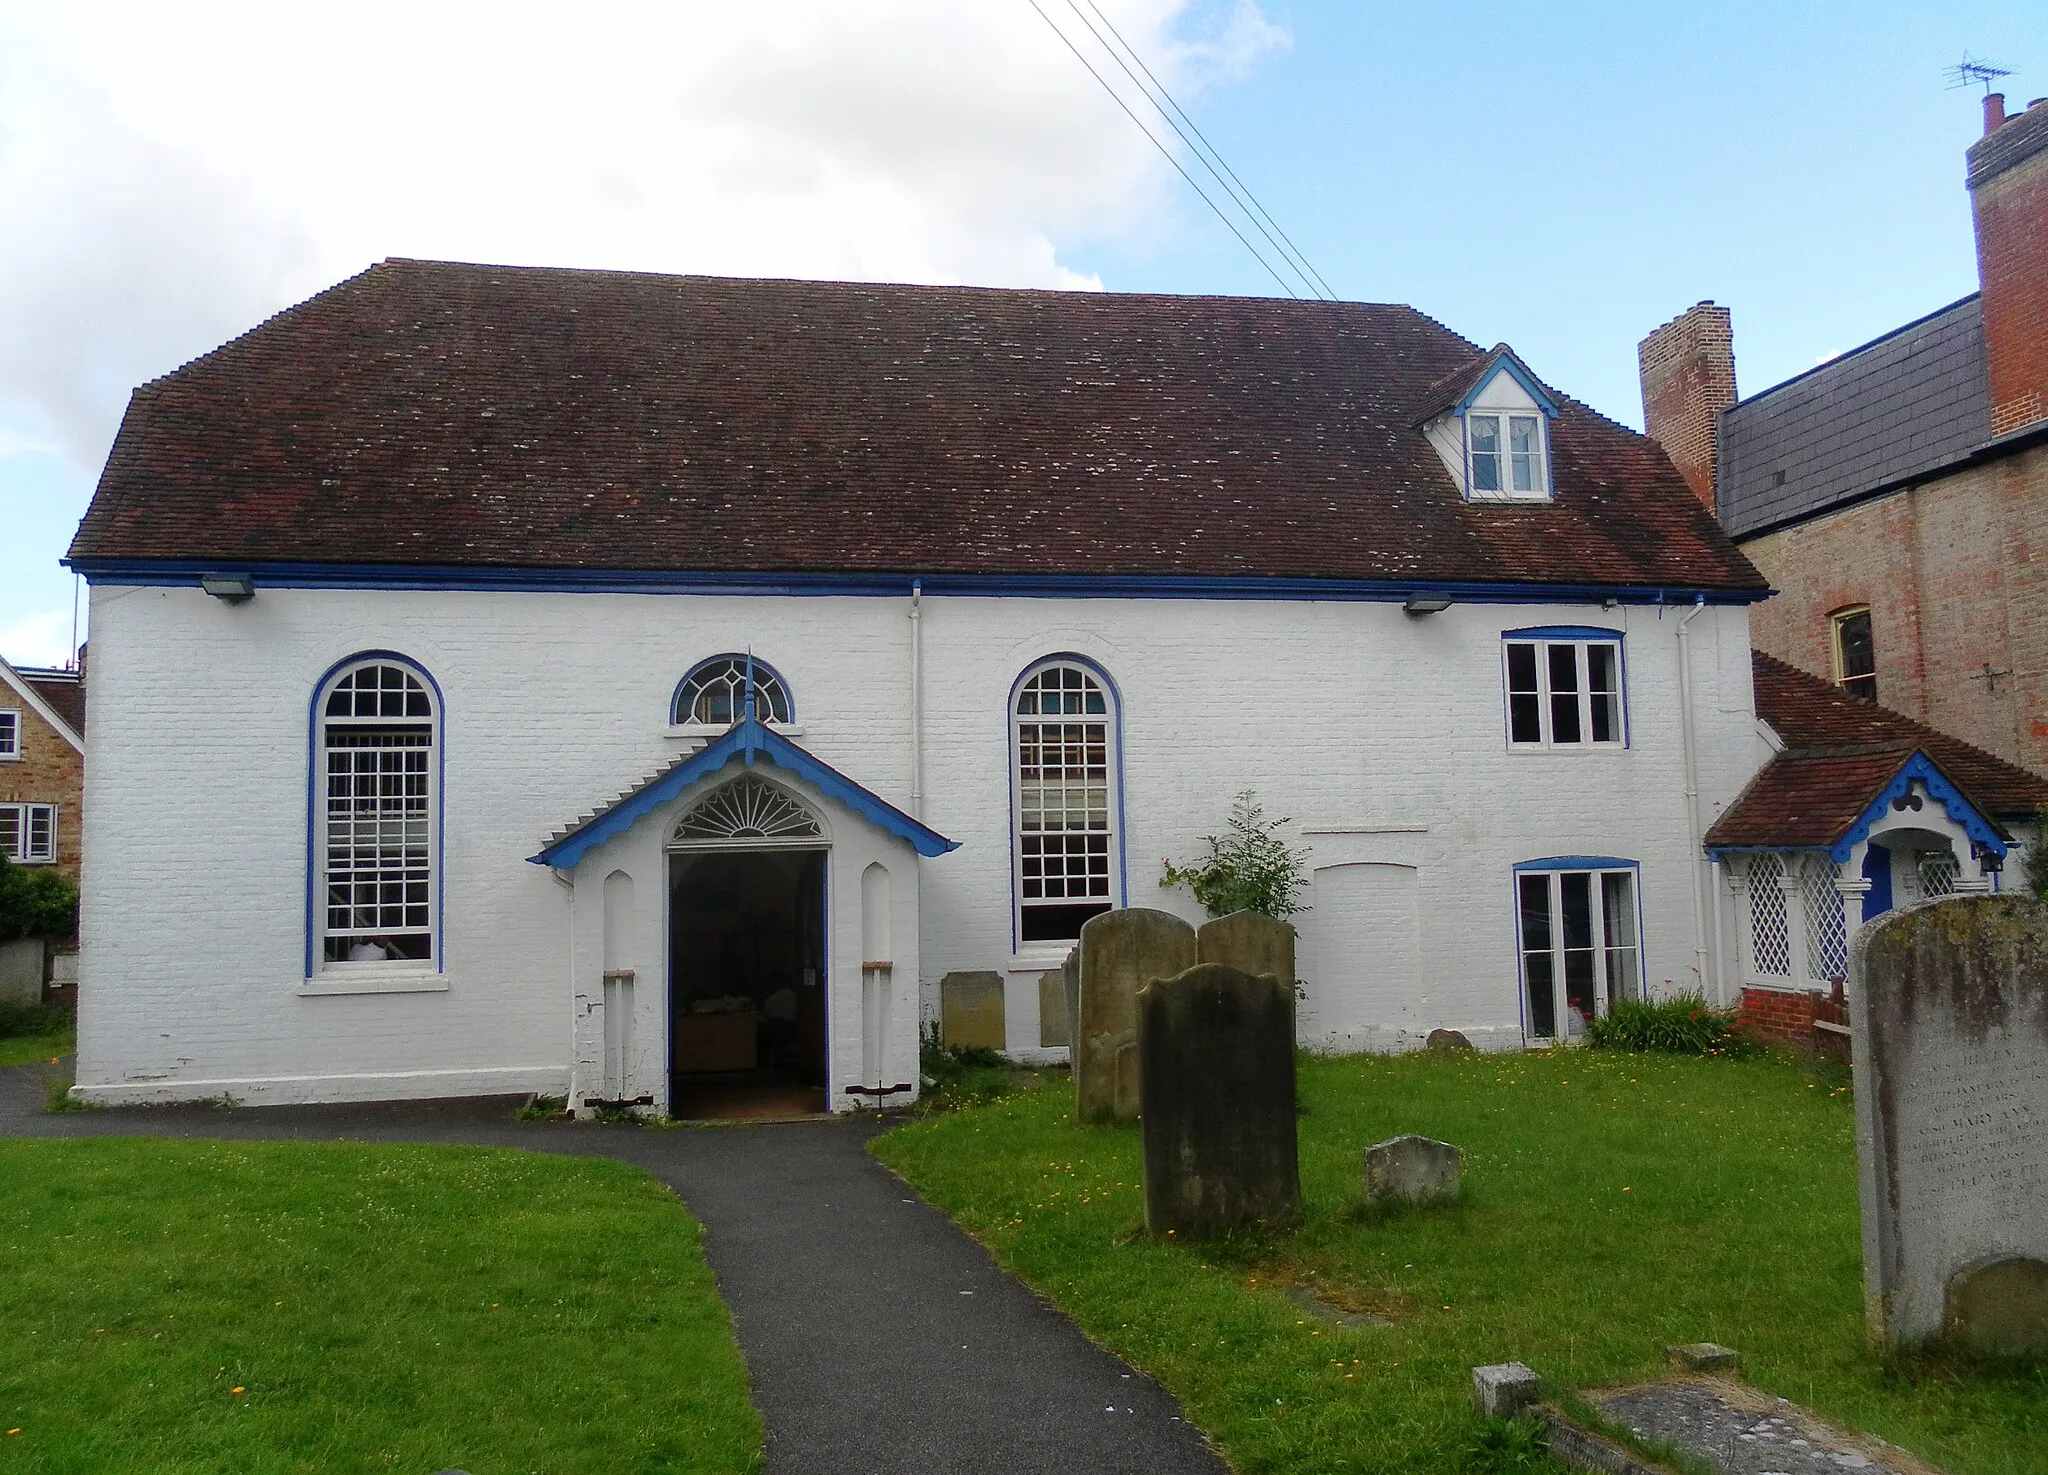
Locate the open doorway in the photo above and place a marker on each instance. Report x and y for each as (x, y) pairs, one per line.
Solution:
(747, 983)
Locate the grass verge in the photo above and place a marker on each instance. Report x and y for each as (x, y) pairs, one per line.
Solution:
(1614, 1203)
(35, 1033)
(178, 1306)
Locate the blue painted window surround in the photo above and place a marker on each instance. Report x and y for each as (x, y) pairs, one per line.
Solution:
(714, 693)
(1565, 687)
(1066, 746)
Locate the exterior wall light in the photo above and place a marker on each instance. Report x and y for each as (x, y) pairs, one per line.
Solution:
(234, 588)
(1426, 604)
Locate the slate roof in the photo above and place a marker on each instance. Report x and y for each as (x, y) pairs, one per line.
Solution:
(428, 413)
(63, 690)
(1840, 751)
(1902, 405)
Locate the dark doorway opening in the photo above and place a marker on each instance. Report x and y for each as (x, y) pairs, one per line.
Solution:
(746, 983)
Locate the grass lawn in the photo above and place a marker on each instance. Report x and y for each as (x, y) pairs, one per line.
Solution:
(175, 1306)
(1614, 1203)
(35, 1035)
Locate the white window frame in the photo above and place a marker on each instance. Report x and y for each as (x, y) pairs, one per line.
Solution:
(25, 816)
(10, 734)
(1111, 720)
(1606, 987)
(322, 929)
(1538, 460)
(1580, 646)
(766, 678)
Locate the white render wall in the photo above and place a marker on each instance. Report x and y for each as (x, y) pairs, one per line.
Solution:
(1380, 734)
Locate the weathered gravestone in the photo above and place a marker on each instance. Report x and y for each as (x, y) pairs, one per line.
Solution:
(1070, 974)
(1412, 1170)
(1052, 1009)
(1120, 952)
(1250, 942)
(1216, 1082)
(971, 1011)
(1447, 1042)
(1949, 1003)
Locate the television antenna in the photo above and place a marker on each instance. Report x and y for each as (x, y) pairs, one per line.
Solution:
(1972, 70)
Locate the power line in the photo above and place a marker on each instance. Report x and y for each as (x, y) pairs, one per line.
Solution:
(1166, 152)
(1239, 190)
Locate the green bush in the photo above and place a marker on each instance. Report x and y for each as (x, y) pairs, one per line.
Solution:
(1685, 1025)
(1249, 869)
(35, 902)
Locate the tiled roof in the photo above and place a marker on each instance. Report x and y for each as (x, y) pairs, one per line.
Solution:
(1840, 751)
(1905, 404)
(426, 413)
(63, 690)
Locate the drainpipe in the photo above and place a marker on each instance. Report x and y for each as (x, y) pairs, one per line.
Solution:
(917, 699)
(1692, 791)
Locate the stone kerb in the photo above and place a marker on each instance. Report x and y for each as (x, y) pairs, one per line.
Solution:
(1250, 942)
(1120, 952)
(1950, 1009)
(1216, 1085)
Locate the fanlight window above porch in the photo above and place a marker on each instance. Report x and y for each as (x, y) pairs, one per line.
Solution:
(747, 811)
(714, 694)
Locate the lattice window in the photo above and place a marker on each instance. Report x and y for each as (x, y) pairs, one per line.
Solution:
(714, 694)
(378, 837)
(1770, 934)
(746, 809)
(1066, 827)
(1939, 872)
(1827, 927)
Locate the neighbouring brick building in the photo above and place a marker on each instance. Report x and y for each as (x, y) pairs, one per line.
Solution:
(42, 766)
(1897, 496)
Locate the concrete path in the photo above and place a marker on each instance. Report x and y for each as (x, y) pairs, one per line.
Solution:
(880, 1338)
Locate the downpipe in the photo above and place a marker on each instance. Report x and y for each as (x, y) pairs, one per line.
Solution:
(1692, 792)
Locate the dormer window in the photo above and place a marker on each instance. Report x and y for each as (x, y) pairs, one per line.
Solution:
(1516, 470)
(1495, 438)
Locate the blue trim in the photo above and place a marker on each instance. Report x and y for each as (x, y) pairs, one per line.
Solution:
(744, 740)
(1877, 870)
(177, 573)
(1116, 702)
(754, 663)
(313, 746)
(1578, 863)
(1960, 810)
(1505, 362)
(1564, 632)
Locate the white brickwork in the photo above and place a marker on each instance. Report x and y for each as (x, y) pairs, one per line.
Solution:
(1379, 734)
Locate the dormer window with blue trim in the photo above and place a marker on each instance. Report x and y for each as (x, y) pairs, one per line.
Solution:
(1495, 440)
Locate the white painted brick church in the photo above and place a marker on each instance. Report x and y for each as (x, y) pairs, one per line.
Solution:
(600, 684)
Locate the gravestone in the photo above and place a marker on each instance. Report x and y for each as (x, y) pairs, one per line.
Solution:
(1216, 1082)
(971, 1011)
(1411, 1170)
(1447, 1042)
(1052, 1009)
(1250, 942)
(1950, 1033)
(1070, 972)
(1119, 953)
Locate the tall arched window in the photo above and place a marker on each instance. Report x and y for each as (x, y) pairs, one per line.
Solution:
(377, 846)
(714, 694)
(1063, 728)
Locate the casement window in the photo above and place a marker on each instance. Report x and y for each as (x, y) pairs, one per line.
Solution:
(1505, 454)
(1063, 730)
(1855, 655)
(378, 841)
(1579, 940)
(714, 694)
(1564, 688)
(28, 833)
(10, 734)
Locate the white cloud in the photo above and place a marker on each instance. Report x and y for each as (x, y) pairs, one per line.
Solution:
(42, 639)
(170, 174)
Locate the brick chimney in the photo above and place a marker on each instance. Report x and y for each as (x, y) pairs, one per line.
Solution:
(2009, 195)
(1688, 373)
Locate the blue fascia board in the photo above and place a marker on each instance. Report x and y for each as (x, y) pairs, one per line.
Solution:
(185, 573)
(1578, 863)
(1562, 632)
(1507, 363)
(745, 739)
(1966, 815)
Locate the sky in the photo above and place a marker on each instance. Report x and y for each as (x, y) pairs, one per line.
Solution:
(1560, 177)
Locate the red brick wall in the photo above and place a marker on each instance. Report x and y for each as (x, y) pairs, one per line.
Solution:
(1956, 576)
(1782, 1016)
(1688, 376)
(2012, 263)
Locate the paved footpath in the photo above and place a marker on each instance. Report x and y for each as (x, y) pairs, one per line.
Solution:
(880, 1338)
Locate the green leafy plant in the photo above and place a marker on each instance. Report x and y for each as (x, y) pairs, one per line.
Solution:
(545, 1109)
(35, 902)
(1249, 868)
(1684, 1025)
(1510, 1447)
(2035, 867)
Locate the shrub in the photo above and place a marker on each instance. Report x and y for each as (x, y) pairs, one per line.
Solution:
(1685, 1025)
(23, 1020)
(35, 902)
(956, 1076)
(1248, 869)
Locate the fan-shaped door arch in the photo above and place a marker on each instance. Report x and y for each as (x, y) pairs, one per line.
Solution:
(749, 811)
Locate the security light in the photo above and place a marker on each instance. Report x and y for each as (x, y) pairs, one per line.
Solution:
(234, 588)
(1426, 604)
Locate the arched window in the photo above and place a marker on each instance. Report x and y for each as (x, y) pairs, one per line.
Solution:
(1063, 728)
(714, 694)
(377, 847)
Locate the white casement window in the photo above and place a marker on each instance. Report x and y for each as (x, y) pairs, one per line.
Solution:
(28, 833)
(1580, 950)
(714, 694)
(1506, 455)
(1564, 691)
(378, 845)
(10, 734)
(1063, 730)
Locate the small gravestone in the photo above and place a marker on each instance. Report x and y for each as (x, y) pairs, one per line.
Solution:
(1703, 1357)
(1504, 1390)
(1412, 1170)
(1216, 1082)
(1052, 1009)
(1250, 942)
(1950, 1033)
(971, 1011)
(1120, 951)
(1447, 1042)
